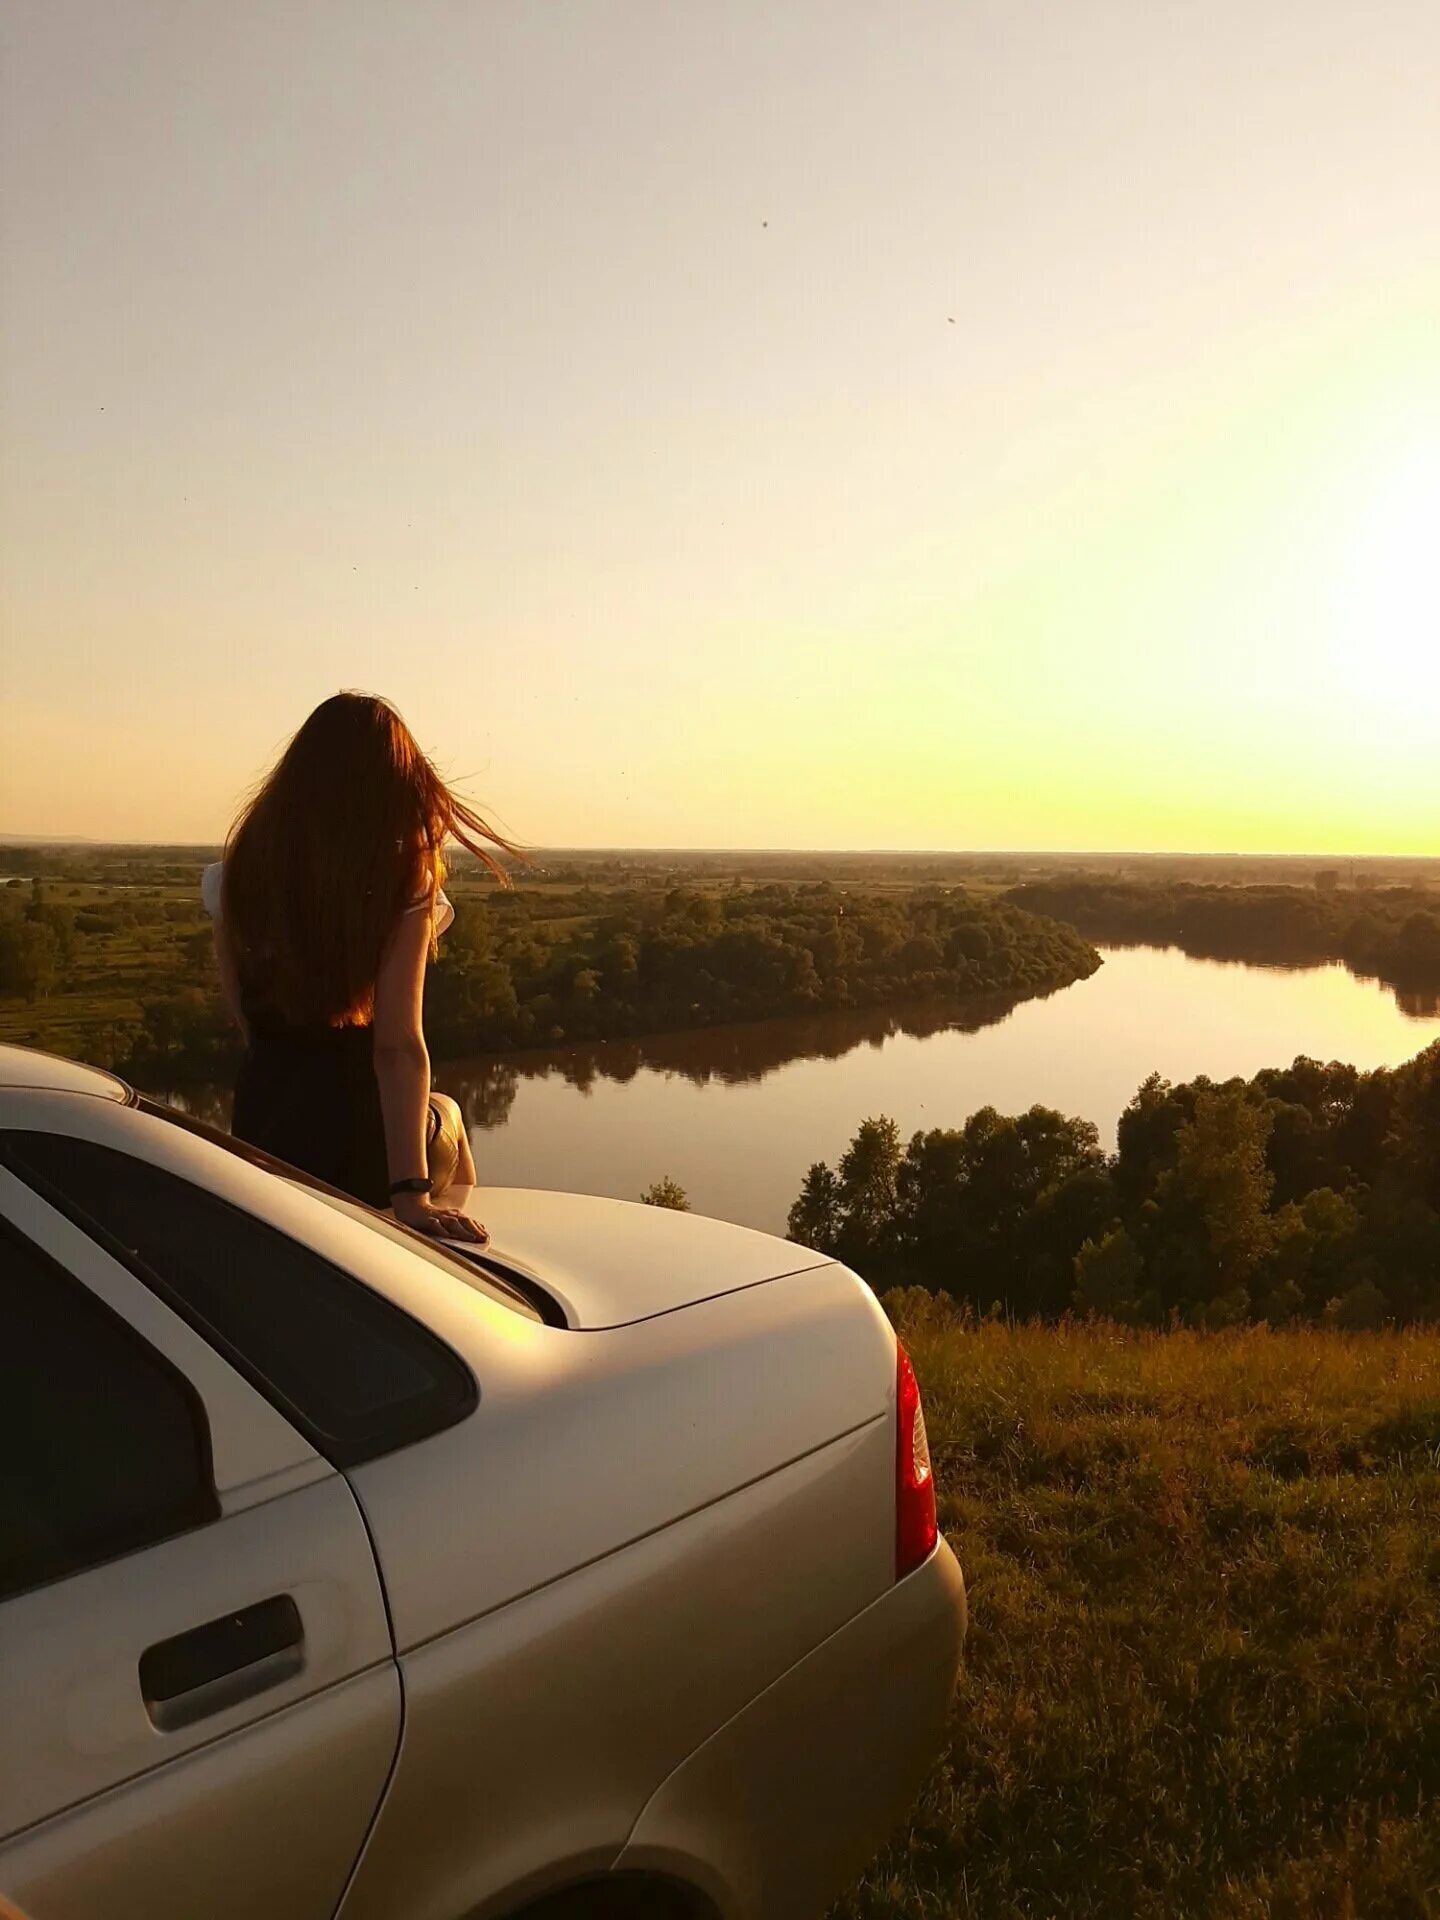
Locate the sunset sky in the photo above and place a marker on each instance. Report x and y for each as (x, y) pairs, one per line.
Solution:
(954, 423)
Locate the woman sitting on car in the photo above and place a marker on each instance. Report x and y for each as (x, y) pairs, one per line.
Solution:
(327, 906)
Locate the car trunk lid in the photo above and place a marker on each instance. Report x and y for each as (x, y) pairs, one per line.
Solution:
(609, 1263)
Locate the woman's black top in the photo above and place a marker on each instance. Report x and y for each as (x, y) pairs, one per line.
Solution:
(308, 1094)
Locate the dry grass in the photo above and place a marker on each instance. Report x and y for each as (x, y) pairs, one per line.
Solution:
(1203, 1676)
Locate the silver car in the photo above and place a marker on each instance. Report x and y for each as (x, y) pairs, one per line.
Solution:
(342, 1573)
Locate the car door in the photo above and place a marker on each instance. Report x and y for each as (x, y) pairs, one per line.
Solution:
(199, 1708)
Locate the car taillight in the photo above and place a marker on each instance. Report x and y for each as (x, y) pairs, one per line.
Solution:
(915, 1527)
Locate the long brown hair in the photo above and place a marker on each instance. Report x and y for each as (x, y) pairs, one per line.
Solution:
(346, 831)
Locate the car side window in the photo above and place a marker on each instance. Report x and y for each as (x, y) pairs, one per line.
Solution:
(354, 1373)
(105, 1445)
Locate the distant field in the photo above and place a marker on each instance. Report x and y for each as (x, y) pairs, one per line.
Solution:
(160, 940)
(1204, 1665)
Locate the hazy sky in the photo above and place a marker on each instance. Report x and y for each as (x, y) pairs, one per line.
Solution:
(789, 423)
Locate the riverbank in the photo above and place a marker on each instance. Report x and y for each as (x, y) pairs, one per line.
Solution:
(1390, 934)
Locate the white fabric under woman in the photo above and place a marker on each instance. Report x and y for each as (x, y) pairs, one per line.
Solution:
(210, 885)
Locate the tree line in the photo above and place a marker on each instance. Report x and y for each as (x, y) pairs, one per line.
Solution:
(687, 958)
(129, 982)
(1309, 1193)
(1383, 933)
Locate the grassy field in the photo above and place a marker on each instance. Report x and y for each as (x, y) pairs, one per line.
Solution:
(1203, 1674)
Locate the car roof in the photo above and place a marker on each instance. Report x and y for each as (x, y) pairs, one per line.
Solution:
(47, 1072)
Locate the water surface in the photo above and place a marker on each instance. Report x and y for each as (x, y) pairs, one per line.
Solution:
(737, 1114)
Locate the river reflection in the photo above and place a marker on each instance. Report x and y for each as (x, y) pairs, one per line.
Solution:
(486, 1087)
(736, 1114)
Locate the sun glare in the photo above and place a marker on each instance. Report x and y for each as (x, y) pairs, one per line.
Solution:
(1388, 604)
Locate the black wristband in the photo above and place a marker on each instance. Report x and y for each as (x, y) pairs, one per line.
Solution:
(418, 1184)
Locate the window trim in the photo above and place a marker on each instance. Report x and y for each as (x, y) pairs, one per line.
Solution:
(123, 1543)
(431, 1413)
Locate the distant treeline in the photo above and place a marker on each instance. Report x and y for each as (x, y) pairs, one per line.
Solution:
(129, 981)
(1389, 933)
(1310, 1193)
(689, 958)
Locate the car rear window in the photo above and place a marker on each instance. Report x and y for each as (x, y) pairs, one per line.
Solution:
(354, 1373)
(497, 1283)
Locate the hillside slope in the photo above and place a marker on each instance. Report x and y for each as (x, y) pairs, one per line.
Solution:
(1203, 1675)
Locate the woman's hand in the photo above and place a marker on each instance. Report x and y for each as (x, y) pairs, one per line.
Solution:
(419, 1211)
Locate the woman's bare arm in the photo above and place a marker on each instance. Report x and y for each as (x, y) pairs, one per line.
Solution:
(402, 1060)
(402, 1069)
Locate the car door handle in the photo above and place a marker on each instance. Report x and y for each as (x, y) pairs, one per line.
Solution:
(221, 1663)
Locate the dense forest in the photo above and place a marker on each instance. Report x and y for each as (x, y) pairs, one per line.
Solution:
(696, 959)
(1310, 1193)
(123, 975)
(1384, 933)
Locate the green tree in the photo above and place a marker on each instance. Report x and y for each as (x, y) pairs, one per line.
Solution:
(921, 953)
(619, 962)
(667, 1193)
(29, 959)
(1363, 1307)
(1217, 1193)
(1146, 1135)
(585, 988)
(199, 949)
(188, 1024)
(1229, 1309)
(869, 1168)
(816, 1218)
(1311, 1240)
(1009, 1221)
(1417, 1125)
(1110, 1276)
(60, 920)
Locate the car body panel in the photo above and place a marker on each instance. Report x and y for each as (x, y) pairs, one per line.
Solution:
(535, 1736)
(70, 1697)
(262, 1825)
(584, 1442)
(792, 1796)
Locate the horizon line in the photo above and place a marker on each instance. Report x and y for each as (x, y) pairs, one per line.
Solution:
(92, 841)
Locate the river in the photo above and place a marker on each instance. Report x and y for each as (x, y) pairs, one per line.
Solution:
(736, 1114)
